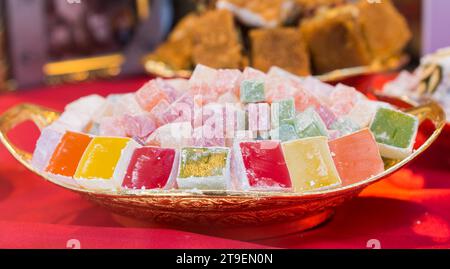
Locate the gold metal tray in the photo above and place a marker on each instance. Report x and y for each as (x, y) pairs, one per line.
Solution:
(161, 69)
(219, 208)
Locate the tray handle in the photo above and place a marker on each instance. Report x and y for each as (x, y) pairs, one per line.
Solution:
(430, 110)
(41, 116)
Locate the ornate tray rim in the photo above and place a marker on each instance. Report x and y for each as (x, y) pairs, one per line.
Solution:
(161, 69)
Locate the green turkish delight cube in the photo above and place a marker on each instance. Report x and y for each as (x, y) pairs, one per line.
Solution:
(286, 132)
(395, 132)
(344, 126)
(282, 110)
(309, 124)
(252, 91)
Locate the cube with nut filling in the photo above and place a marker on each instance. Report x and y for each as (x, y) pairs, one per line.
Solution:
(204, 168)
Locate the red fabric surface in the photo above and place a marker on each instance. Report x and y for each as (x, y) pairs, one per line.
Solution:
(410, 209)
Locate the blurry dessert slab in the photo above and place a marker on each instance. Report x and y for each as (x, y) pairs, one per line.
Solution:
(335, 40)
(176, 54)
(301, 36)
(268, 48)
(216, 42)
(210, 38)
(177, 50)
(306, 8)
(184, 28)
(355, 35)
(385, 29)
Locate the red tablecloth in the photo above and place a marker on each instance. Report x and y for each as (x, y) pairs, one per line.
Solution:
(410, 209)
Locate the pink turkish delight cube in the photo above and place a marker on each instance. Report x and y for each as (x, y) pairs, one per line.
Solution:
(227, 81)
(261, 165)
(151, 168)
(343, 99)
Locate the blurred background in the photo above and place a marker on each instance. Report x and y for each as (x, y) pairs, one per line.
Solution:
(64, 41)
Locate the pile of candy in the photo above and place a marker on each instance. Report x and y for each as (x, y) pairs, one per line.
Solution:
(225, 130)
(430, 80)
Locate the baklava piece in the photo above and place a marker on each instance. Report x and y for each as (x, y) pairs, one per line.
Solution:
(216, 41)
(385, 29)
(335, 39)
(176, 52)
(282, 47)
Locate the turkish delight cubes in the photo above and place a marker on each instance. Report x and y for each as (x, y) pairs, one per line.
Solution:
(173, 135)
(151, 168)
(310, 164)
(150, 95)
(344, 126)
(104, 162)
(252, 91)
(45, 146)
(306, 124)
(260, 165)
(395, 132)
(263, 117)
(66, 156)
(285, 132)
(202, 76)
(282, 110)
(204, 168)
(259, 118)
(79, 114)
(363, 112)
(356, 156)
(86, 105)
(274, 131)
(309, 124)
